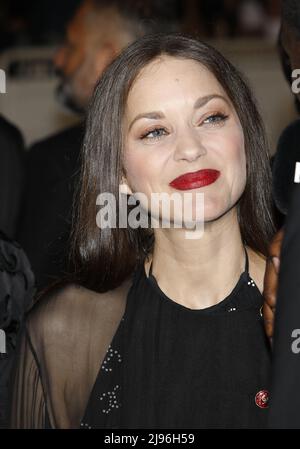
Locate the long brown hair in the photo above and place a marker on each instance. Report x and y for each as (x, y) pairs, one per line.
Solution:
(103, 259)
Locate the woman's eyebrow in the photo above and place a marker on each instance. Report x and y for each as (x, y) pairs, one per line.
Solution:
(202, 101)
(156, 115)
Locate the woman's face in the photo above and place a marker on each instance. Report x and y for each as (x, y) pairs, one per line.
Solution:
(178, 121)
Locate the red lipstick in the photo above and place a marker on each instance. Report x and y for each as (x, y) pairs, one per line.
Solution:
(195, 180)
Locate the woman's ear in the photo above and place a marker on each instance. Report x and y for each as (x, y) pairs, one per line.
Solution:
(124, 187)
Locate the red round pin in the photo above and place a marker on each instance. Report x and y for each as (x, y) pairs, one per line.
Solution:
(262, 399)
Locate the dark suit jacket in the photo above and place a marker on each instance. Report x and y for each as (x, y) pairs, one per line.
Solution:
(11, 176)
(285, 393)
(52, 166)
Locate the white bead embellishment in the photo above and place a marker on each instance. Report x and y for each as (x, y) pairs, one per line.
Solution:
(112, 399)
(85, 425)
(232, 309)
(251, 283)
(110, 355)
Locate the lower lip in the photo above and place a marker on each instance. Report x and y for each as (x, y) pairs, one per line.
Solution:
(196, 180)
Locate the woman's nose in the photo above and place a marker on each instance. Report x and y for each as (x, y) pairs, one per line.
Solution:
(189, 146)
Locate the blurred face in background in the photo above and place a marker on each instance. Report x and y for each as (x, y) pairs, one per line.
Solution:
(84, 55)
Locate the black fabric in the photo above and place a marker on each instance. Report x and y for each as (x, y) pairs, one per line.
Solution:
(16, 294)
(285, 403)
(11, 176)
(284, 164)
(171, 367)
(52, 168)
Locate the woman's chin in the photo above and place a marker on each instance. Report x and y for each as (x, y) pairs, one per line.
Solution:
(213, 212)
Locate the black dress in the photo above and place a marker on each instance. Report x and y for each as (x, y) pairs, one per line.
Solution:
(171, 367)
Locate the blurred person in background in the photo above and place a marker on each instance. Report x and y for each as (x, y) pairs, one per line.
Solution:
(11, 176)
(288, 150)
(16, 295)
(17, 284)
(16, 277)
(288, 42)
(288, 153)
(97, 32)
(281, 285)
(282, 290)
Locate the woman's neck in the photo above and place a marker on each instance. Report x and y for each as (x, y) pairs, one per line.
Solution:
(199, 273)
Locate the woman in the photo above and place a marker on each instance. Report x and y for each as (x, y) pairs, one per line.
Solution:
(158, 330)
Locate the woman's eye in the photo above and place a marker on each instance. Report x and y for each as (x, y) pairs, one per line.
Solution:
(215, 119)
(155, 133)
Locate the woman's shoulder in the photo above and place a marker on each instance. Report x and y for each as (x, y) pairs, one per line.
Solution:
(257, 267)
(71, 326)
(67, 309)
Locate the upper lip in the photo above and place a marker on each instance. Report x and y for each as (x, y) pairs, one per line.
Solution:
(197, 176)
